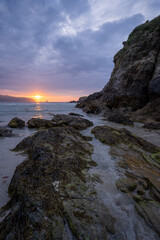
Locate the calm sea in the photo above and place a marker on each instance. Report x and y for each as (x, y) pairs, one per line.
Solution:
(28, 110)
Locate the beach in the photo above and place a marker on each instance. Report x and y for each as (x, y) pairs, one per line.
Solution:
(121, 207)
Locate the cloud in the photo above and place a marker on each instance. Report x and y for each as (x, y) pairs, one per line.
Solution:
(65, 45)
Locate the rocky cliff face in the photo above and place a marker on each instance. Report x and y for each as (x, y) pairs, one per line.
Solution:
(135, 80)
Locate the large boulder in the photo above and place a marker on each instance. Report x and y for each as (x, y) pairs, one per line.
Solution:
(72, 121)
(40, 123)
(16, 123)
(52, 192)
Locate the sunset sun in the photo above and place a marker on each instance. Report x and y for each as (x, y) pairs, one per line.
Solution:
(37, 98)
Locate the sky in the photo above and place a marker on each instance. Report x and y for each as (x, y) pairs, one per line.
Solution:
(64, 49)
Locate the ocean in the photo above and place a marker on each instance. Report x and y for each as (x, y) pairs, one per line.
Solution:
(28, 110)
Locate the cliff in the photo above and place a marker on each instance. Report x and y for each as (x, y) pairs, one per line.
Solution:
(135, 80)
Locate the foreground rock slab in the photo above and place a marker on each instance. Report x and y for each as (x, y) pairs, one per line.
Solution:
(52, 193)
(16, 123)
(75, 122)
(139, 165)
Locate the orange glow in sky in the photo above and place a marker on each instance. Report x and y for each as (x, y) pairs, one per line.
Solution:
(40, 96)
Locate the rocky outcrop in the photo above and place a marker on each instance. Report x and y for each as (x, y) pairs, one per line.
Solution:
(139, 165)
(52, 193)
(91, 103)
(75, 122)
(60, 120)
(73, 101)
(16, 123)
(40, 123)
(4, 132)
(135, 80)
(148, 113)
(119, 118)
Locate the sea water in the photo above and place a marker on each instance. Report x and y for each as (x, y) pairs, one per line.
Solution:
(28, 110)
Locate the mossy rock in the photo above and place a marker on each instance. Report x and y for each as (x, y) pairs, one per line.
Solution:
(126, 185)
(149, 26)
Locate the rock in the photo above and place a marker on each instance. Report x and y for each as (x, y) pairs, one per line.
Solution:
(115, 136)
(126, 185)
(139, 163)
(144, 184)
(40, 123)
(82, 98)
(137, 198)
(16, 123)
(75, 122)
(88, 138)
(92, 108)
(60, 120)
(149, 113)
(73, 101)
(135, 80)
(140, 192)
(150, 211)
(152, 125)
(90, 105)
(119, 118)
(154, 87)
(52, 192)
(4, 132)
(75, 114)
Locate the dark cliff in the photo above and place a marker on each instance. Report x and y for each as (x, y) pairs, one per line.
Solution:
(135, 80)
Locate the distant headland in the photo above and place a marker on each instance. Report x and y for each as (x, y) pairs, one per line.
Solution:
(5, 98)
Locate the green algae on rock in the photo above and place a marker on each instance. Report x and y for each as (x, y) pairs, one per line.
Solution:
(114, 136)
(52, 193)
(16, 123)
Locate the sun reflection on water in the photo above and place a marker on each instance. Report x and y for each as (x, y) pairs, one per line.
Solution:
(38, 110)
